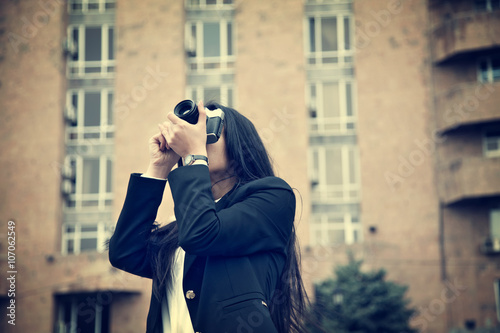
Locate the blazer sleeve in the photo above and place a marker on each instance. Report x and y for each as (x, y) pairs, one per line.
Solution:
(260, 219)
(128, 247)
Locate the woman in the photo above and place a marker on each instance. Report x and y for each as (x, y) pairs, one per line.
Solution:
(229, 261)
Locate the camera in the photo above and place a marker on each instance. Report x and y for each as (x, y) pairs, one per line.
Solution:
(188, 111)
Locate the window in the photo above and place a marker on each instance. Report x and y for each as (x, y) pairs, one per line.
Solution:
(487, 5)
(334, 174)
(491, 143)
(90, 6)
(331, 109)
(208, 3)
(495, 224)
(489, 69)
(87, 313)
(334, 229)
(88, 182)
(209, 45)
(89, 114)
(492, 242)
(329, 40)
(223, 94)
(93, 51)
(81, 237)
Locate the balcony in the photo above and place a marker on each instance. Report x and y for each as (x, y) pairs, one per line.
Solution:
(465, 32)
(469, 178)
(467, 104)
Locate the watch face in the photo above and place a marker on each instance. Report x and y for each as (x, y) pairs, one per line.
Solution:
(188, 160)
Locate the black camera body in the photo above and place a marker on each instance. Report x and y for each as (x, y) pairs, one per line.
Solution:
(188, 111)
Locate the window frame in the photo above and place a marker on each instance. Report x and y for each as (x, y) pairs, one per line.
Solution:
(321, 229)
(318, 125)
(197, 93)
(321, 191)
(101, 4)
(341, 53)
(490, 153)
(103, 198)
(103, 232)
(494, 218)
(489, 70)
(198, 63)
(203, 4)
(75, 307)
(77, 68)
(79, 134)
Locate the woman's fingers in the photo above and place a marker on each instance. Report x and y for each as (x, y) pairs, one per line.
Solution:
(162, 139)
(157, 141)
(202, 114)
(163, 143)
(183, 137)
(166, 131)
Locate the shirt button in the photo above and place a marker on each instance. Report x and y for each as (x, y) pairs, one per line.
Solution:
(190, 294)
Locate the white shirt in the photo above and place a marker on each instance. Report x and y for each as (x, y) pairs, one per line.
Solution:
(174, 310)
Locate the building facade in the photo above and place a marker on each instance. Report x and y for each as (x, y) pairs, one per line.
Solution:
(466, 76)
(383, 115)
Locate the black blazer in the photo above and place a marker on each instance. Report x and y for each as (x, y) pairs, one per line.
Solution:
(235, 248)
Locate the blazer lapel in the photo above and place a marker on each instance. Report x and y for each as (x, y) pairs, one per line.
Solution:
(188, 262)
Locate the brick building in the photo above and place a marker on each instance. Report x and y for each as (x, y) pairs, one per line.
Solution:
(383, 114)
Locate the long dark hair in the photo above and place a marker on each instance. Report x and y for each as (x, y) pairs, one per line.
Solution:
(249, 161)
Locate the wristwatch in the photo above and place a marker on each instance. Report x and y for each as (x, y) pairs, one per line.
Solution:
(190, 159)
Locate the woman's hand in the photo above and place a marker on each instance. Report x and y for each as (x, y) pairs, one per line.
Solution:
(185, 138)
(161, 157)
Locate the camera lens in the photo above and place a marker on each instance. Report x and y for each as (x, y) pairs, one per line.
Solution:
(184, 107)
(187, 110)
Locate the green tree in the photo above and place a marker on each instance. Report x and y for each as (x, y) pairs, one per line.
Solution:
(364, 303)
